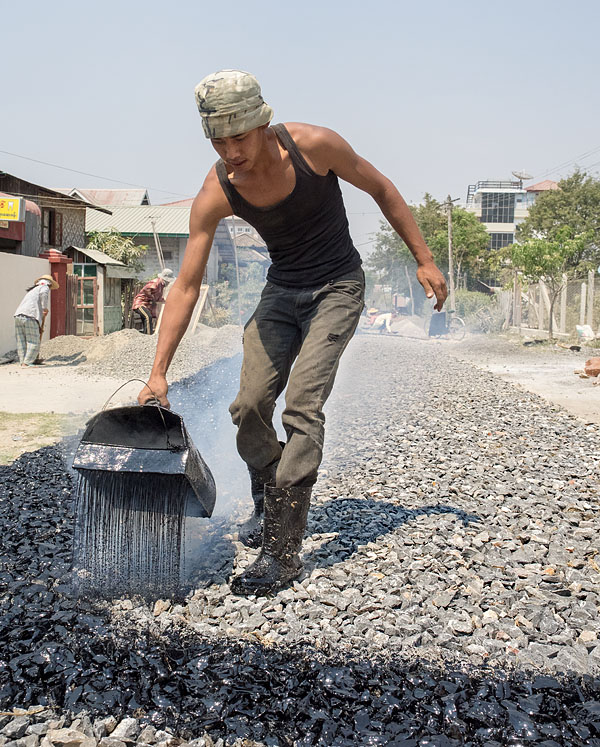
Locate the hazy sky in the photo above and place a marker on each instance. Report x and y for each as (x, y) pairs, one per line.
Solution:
(436, 94)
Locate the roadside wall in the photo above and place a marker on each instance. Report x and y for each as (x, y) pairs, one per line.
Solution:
(18, 273)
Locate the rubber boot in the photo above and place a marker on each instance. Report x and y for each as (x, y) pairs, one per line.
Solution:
(251, 531)
(286, 513)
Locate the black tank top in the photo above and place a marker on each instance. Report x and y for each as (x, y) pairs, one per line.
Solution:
(307, 232)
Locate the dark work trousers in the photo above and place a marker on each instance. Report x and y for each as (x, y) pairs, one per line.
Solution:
(308, 329)
(147, 320)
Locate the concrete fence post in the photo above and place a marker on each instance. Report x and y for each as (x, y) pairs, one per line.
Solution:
(563, 305)
(582, 303)
(590, 299)
(518, 304)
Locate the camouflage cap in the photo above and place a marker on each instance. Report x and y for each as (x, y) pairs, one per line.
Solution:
(230, 103)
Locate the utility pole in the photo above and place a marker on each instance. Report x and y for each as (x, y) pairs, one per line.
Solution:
(237, 270)
(448, 205)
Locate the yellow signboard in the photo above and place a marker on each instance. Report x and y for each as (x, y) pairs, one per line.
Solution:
(11, 208)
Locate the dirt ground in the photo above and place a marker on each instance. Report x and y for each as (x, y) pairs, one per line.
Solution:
(544, 369)
(41, 405)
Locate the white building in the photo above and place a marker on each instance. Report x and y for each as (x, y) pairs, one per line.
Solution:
(502, 205)
(239, 227)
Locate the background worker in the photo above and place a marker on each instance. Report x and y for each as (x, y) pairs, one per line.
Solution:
(283, 180)
(147, 300)
(383, 322)
(30, 317)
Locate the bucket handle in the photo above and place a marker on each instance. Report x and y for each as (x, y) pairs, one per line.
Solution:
(155, 402)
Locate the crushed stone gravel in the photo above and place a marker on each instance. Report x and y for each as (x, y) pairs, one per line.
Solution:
(450, 593)
(129, 353)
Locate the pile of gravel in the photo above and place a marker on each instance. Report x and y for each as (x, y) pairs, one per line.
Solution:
(450, 593)
(129, 353)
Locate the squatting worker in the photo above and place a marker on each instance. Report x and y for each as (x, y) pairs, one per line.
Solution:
(30, 317)
(283, 180)
(146, 301)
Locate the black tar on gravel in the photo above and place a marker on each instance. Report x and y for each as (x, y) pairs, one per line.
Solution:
(65, 653)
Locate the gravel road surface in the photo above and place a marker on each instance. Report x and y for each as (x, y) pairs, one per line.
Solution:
(451, 592)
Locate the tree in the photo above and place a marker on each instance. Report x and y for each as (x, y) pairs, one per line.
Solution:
(574, 205)
(470, 243)
(430, 217)
(118, 247)
(551, 260)
(390, 260)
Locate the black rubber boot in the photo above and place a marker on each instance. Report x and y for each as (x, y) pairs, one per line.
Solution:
(251, 531)
(286, 512)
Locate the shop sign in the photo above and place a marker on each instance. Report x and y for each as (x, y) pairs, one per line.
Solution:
(12, 208)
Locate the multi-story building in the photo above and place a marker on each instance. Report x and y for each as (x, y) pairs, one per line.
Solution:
(502, 205)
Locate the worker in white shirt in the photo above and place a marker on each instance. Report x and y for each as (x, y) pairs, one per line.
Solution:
(383, 322)
(29, 319)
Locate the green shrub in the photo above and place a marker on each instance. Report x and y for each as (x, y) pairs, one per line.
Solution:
(469, 302)
(216, 317)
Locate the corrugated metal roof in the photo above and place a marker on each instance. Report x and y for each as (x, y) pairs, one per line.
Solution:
(136, 221)
(114, 267)
(117, 197)
(247, 240)
(97, 256)
(247, 254)
(181, 203)
(109, 197)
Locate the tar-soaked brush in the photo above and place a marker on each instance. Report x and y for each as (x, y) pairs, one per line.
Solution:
(139, 476)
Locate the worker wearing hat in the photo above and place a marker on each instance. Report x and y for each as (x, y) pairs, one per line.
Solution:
(146, 301)
(283, 180)
(29, 319)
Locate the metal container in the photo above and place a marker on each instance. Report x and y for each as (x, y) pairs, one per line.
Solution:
(147, 439)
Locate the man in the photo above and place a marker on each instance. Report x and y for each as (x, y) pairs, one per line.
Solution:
(145, 302)
(283, 180)
(383, 322)
(30, 317)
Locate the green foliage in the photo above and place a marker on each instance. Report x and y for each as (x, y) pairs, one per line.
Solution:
(430, 217)
(574, 206)
(546, 259)
(469, 244)
(390, 254)
(552, 260)
(470, 302)
(469, 241)
(118, 247)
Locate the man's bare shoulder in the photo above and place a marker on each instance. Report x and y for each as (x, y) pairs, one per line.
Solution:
(321, 147)
(311, 137)
(211, 202)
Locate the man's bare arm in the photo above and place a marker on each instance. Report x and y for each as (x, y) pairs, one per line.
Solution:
(208, 208)
(329, 151)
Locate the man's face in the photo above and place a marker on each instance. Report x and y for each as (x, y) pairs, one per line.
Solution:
(240, 152)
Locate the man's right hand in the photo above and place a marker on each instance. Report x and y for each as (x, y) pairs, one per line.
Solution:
(157, 388)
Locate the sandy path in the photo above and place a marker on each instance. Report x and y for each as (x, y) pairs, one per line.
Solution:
(546, 371)
(56, 388)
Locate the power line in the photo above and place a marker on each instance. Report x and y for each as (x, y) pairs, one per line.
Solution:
(95, 176)
(585, 154)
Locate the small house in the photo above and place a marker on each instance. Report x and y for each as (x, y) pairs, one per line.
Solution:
(98, 286)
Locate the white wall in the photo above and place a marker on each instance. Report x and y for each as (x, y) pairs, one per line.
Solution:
(17, 273)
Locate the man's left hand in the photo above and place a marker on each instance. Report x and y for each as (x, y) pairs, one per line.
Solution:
(434, 283)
